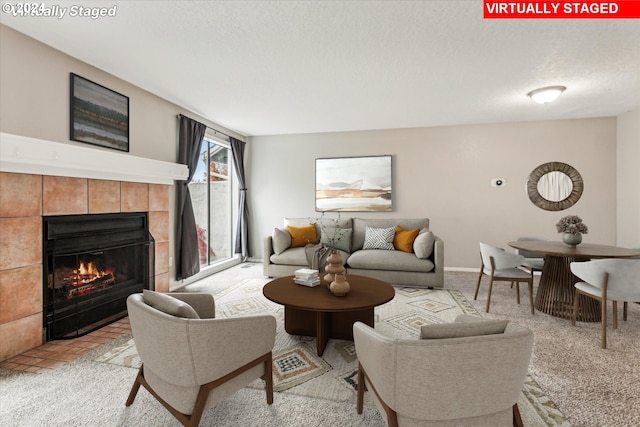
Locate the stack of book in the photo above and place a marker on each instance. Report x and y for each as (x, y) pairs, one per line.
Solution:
(307, 277)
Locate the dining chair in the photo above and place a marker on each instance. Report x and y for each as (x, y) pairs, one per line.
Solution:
(607, 279)
(500, 265)
(532, 260)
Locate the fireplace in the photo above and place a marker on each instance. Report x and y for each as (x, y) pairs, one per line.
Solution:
(92, 263)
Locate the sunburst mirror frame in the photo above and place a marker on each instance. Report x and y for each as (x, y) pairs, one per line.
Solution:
(548, 205)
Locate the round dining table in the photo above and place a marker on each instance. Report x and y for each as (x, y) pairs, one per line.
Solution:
(556, 291)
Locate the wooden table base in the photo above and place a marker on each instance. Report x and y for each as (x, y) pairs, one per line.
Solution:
(556, 291)
(324, 325)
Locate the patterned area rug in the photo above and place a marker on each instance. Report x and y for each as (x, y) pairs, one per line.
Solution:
(298, 370)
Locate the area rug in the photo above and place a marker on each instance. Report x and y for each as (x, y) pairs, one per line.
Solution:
(299, 371)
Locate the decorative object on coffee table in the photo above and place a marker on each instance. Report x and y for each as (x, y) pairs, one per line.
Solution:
(334, 266)
(340, 287)
(572, 229)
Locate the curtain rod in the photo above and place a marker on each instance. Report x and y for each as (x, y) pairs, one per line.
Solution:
(208, 127)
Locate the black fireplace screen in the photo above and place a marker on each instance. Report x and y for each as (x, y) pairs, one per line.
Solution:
(93, 263)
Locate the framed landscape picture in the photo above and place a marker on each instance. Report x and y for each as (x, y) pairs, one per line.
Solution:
(356, 184)
(98, 115)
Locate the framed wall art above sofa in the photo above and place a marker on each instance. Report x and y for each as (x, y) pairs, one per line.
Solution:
(354, 184)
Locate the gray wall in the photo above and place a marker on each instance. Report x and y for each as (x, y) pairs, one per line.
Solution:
(628, 179)
(445, 173)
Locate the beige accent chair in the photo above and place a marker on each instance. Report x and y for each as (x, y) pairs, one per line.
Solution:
(190, 359)
(500, 265)
(446, 382)
(607, 279)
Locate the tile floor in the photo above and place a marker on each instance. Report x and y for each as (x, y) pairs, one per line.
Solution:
(54, 354)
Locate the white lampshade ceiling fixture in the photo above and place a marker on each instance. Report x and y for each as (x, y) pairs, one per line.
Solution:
(544, 95)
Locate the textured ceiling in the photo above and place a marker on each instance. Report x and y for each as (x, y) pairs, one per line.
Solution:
(278, 67)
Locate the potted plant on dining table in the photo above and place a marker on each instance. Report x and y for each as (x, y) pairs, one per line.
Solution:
(572, 229)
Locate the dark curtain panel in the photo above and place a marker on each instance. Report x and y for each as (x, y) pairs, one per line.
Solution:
(190, 137)
(242, 229)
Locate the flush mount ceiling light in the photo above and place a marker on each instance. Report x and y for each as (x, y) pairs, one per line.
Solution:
(544, 95)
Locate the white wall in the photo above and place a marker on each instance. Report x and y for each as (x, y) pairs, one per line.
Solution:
(444, 173)
(628, 179)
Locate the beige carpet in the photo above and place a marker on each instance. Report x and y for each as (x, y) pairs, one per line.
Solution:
(299, 371)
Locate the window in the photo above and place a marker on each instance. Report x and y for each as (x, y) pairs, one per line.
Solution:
(212, 198)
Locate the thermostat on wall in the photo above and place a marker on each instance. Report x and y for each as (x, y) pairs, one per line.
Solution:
(498, 182)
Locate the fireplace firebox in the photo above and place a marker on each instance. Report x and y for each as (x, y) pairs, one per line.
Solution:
(92, 264)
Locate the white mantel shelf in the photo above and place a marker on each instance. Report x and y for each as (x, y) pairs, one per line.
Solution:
(20, 154)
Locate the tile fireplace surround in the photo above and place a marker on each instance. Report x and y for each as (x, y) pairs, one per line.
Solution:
(26, 197)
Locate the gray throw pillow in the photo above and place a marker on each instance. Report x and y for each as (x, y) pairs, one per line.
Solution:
(464, 328)
(423, 244)
(337, 238)
(379, 238)
(281, 240)
(169, 305)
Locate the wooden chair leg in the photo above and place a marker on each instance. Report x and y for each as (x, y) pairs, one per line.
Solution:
(576, 298)
(489, 297)
(533, 311)
(268, 379)
(361, 387)
(603, 305)
(517, 292)
(615, 314)
(134, 388)
(517, 419)
(624, 311)
(475, 296)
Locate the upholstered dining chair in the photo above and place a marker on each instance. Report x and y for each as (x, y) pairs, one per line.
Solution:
(466, 373)
(607, 279)
(532, 260)
(192, 360)
(500, 265)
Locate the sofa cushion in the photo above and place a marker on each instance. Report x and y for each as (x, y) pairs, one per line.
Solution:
(376, 259)
(319, 222)
(281, 240)
(169, 305)
(360, 225)
(301, 236)
(463, 329)
(423, 244)
(337, 238)
(292, 256)
(379, 238)
(403, 239)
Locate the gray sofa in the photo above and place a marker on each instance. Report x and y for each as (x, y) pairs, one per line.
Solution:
(393, 266)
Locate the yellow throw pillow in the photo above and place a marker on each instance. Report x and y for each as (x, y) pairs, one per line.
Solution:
(301, 236)
(403, 240)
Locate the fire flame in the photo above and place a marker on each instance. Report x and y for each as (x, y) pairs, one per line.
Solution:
(87, 273)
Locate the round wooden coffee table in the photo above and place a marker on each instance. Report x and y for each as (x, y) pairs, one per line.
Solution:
(316, 312)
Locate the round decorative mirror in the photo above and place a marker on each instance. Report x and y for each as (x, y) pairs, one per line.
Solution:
(554, 186)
